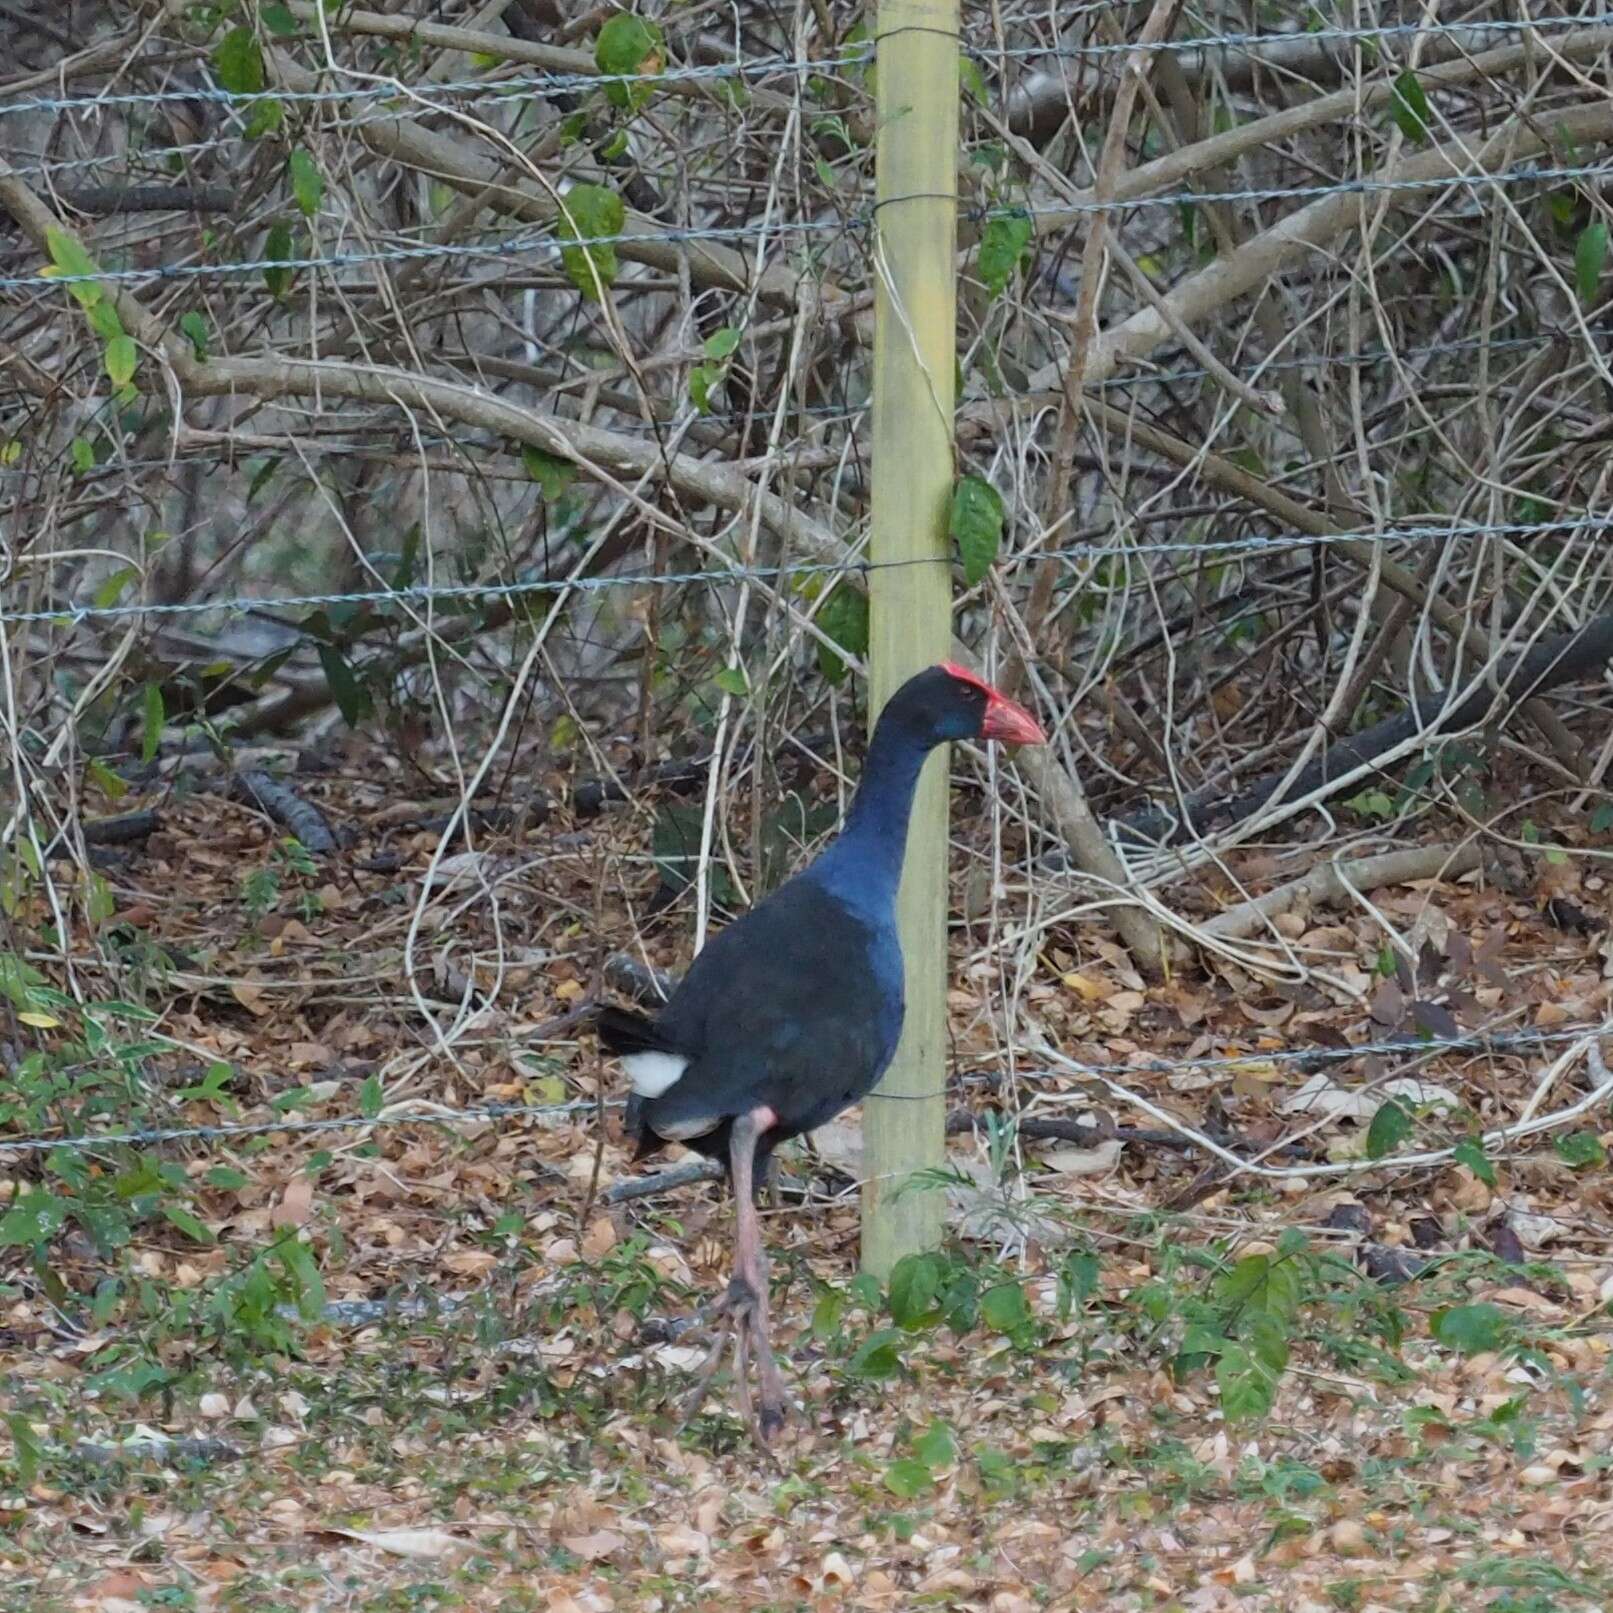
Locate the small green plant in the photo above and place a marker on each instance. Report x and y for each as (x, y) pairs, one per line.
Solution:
(260, 891)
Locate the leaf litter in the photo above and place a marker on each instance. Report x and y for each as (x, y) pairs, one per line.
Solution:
(461, 1391)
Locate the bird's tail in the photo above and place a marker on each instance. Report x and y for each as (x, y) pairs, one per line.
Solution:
(621, 1031)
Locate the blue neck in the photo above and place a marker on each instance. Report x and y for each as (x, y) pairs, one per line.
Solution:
(864, 866)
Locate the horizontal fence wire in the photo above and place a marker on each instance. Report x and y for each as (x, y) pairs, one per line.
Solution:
(396, 89)
(830, 412)
(551, 244)
(1367, 33)
(77, 614)
(563, 82)
(1503, 1042)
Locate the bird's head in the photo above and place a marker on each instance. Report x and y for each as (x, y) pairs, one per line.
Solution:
(951, 702)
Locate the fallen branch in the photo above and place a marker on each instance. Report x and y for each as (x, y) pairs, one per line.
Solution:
(284, 806)
(1499, 1137)
(643, 1187)
(120, 831)
(106, 200)
(1555, 661)
(1332, 881)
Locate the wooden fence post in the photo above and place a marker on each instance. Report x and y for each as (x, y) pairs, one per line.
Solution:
(910, 624)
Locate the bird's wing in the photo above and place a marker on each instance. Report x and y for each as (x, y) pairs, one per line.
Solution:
(797, 1005)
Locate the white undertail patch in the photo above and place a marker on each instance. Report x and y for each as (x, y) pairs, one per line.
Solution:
(651, 1074)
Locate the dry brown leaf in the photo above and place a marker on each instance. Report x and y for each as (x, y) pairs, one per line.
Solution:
(427, 1543)
(594, 1546)
(295, 1204)
(252, 998)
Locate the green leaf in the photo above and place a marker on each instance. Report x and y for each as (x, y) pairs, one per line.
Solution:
(973, 80)
(1260, 1284)
(908, 1477)
(83, 455)
(629, 45)
(115, 586)
(1003, 244)
(226, 1178)
(122, 359)
(702, 378)
(552, 473)
(187, 1223)
(1078, 1281)
(68, 255)
(278, 19)
(351, 698)
(936, 1447)
(915, 1283)
(1410, 107)
(1589, 255)
(722, 342)
(370, 1097)
(590, 213)
(1580, 1148)
(264, 117)
(732, 680)
(238, 62)
(194, 326)
(103, 318)
(844, 619)
(1247, 1388)
(1471, 1154)
(298, 1261)
(1391, 1125)
(1602, 818)
(1470, 1329)
(826, 1314)
(154, 715)
(977, 525)
(33, 1219)
(212, 1086)
(876, 1356)
(26, 1444)
(307, 183)
(277, 251)
(1004, 1309)
(105, 780)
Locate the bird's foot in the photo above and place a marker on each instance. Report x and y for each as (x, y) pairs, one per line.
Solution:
(741, 1315)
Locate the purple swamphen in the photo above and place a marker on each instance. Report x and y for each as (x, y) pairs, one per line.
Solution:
(793, 1012)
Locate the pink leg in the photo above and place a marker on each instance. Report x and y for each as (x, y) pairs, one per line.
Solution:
(745, 1304)
(750, 1265)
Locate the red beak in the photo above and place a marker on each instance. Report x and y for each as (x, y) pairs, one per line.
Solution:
(1004, 721)
(1010, 723)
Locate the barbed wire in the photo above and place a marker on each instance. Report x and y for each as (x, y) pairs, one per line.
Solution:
(446, 250)
(444, 1115)
(77, 614)
(396, 89)
(551, 243)
(823, 413)
(1245, 41)
(560, 82)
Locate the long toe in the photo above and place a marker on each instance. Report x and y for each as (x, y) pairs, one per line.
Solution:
(769, 1420)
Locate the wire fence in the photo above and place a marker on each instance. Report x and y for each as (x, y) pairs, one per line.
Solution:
(428, 1112)
(773, 228)
(79, 613)
(1454, 306)
(854, 413)
(762, 67)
